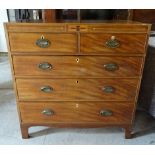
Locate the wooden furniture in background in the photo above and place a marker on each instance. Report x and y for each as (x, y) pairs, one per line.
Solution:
(77, 74)
(144, 15)
(51, 15)
(141, 15)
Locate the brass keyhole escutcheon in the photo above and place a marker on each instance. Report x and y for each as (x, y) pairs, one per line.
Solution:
(77, 60)
(42, 37)
(42, 42)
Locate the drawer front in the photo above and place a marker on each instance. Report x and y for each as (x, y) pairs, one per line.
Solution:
(77, 89)
(43, 42)
(119, 27)
(59, 112)
(77, 66)
(113, 43)
(35, 27)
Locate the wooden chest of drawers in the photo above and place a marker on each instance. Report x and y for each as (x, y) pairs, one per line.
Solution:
(76, 74)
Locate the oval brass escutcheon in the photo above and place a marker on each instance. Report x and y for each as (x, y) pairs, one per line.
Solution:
(111, 67)
(45, 66)
(106, 113)
(42, 42)
(47, 112)
(46, 89)
(108, 89)
(113, 42)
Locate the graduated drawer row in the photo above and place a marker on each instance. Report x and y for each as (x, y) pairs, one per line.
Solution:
(96, 66)
(86, 43)
(71, 112)
(99, 89)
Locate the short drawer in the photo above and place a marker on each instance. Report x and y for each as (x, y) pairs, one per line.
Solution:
(35, 27)
(113, 43)
(43, 42)
(77, 89)
(95, 66)
(59, 112)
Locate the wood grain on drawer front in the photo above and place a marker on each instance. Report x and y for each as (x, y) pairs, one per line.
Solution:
(129, 43)
(77, 66)
(77, 89)
(26, 42)
(75, 112)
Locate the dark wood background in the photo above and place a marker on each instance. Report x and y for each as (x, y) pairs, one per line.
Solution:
(50, 15)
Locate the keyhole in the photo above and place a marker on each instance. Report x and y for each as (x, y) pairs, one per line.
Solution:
(42, 37)
(77, 81)
(77, 60)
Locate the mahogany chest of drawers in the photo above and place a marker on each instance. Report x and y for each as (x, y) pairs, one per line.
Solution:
(77, 74)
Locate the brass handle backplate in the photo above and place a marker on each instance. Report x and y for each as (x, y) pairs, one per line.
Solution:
(108, 89)
(45, 66)
(47, 112)
(112, 42)
(46, 89)
(43, 43)
(111, 67)
(106, 113)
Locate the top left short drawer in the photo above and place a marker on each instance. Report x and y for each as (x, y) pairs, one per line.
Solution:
(43, 42)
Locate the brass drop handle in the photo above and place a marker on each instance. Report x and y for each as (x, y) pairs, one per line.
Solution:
(106, 113)
(108, 89)
(112, 42)
(42, 42)
(111, 67)
(46, 89)
(45, 66)
(48, 112)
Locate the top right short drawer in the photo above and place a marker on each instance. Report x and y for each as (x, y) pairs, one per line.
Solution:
(113, 43)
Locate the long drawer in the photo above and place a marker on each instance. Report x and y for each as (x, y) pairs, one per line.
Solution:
(43, 42)
(77, 89)
(59, 112)
(77, 66)
(113, 43)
